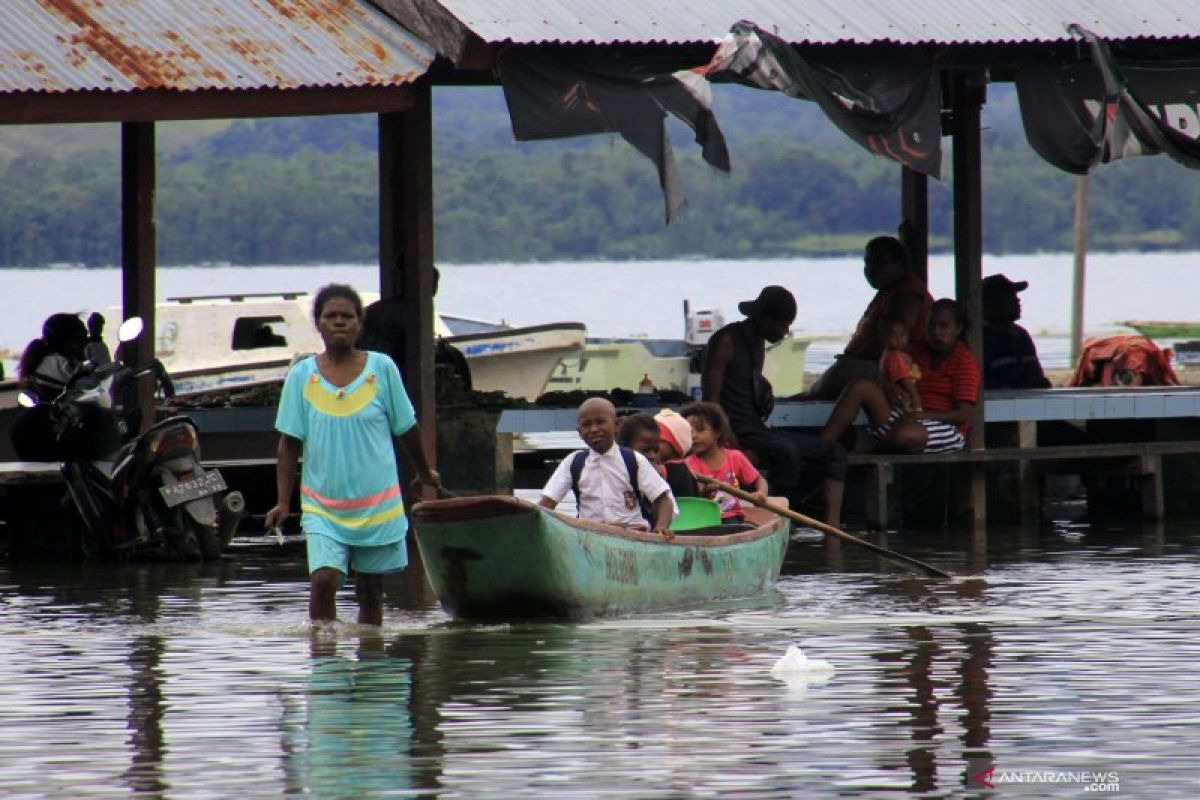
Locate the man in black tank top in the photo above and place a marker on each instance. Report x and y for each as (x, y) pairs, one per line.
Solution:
(732, 376)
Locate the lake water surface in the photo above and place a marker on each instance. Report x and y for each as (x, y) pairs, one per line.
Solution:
(645, 298)
(1068, 650)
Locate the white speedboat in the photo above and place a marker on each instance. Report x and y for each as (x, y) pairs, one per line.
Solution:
(516, 361)
(219, 342)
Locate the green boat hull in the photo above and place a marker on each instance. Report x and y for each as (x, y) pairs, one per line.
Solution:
(1159, 329)
(503, 558)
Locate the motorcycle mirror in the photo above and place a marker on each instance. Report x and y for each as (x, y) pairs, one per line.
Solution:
(26, 400)
(130, 329)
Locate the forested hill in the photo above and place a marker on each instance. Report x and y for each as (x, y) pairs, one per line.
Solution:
(303, 190)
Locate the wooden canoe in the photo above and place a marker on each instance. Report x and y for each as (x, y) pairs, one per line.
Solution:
(498, 557)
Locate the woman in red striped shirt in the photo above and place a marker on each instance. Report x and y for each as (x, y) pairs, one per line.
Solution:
(949, 390)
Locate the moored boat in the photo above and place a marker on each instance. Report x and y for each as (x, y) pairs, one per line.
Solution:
(220, 342)
(498, 557)
(1165, 329)
(622, 363)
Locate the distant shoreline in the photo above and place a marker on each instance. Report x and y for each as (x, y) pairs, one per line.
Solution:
(567, 261)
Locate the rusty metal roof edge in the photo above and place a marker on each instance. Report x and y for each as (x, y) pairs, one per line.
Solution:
(833, 43)
(138, 45)
(230, 90)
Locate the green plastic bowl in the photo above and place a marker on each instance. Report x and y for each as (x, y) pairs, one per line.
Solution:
(696, 512)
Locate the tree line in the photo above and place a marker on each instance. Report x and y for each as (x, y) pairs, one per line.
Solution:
(250, 196)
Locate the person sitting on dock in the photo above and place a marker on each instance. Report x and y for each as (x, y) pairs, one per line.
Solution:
(1010, 359)
(44, 369)
(732, 377)
(645, 434)
(610, 481)
(949, 390)
(899, 293)
(713, 457)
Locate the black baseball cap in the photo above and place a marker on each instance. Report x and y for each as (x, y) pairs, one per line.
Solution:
(773, 302)
(1000, 284)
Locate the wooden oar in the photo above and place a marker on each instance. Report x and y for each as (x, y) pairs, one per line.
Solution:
(829, 530)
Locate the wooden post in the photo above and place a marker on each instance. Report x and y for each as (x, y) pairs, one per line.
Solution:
(914, 208)
(137, 251)
(879, 480)
(969, 92)
(1080, 273)
(1153, 504)
(1028, 481)
(406, 243)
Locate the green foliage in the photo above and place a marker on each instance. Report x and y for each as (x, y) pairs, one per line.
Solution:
(305, 191)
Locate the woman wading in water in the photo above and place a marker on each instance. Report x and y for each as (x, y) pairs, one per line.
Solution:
(341, 409)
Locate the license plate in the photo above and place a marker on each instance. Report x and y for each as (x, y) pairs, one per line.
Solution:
(210, 482)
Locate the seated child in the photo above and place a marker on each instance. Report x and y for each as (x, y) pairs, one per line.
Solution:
(610, 481)
(641, 433)
(896, 368)
(711, 456)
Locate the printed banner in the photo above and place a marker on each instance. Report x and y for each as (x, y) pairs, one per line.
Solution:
(555, 95)
(888, 104)
(1078, 114)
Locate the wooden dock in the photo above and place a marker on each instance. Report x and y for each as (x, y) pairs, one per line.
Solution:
(1129, 432)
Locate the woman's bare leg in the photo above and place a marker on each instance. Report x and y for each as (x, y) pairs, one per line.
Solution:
(322, 594)
(834, 491)
(368, 590)
(909, 436)
(864, 394)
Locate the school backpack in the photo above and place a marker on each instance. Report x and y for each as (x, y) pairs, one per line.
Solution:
(1124, 360)
(631, 466)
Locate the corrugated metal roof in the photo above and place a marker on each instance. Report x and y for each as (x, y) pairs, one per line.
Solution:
(823, 21)
(124, 45)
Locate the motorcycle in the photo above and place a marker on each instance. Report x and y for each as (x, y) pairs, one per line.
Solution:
(141, 496)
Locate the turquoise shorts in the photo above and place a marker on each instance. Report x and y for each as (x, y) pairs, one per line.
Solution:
(324, 551)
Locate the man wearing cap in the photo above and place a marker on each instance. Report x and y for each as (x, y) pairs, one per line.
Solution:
(732, 376)
(1010, 359)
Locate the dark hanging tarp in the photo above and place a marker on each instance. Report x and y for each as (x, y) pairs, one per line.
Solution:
(889, 105)
(1078, 113)
(559, 94)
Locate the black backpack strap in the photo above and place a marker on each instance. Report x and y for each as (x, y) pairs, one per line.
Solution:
(576, 471)
(631, 466)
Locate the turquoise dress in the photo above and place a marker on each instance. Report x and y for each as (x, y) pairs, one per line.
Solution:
(349, 489)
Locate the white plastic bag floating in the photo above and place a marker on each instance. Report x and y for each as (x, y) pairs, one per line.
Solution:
(799, 671)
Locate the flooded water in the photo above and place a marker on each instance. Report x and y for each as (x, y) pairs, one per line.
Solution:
(1067, 652)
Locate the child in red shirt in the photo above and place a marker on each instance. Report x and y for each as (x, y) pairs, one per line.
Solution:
(712, 457)
(896, 367)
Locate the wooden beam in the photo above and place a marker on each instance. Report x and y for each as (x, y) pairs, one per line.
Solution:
(406, 239)
(914, 209)
(138, 251)
(150, 105)
(969, 92)
(1079, 273)
(390, 204)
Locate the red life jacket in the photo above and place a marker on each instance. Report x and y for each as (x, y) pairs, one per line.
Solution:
(1125, 360)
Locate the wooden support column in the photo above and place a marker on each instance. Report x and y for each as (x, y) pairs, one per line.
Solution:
(968, 94)
(914, 208)
(406, 244)
(1028, 480)
(879, 480)
(138, 251)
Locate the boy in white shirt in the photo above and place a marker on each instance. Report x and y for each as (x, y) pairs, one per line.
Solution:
(604, 477)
